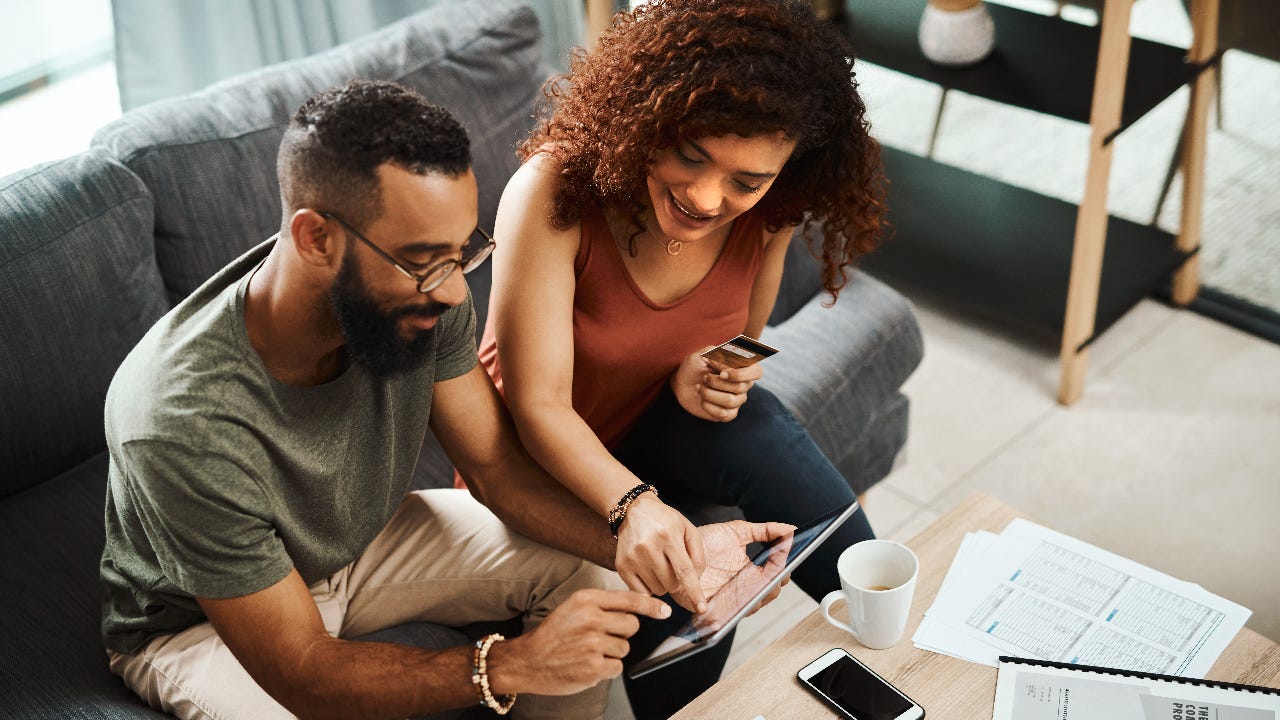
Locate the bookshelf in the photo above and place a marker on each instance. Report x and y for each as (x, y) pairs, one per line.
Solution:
(1068, 270)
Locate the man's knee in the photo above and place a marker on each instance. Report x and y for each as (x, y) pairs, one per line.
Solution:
(573, 574)
(194, 676)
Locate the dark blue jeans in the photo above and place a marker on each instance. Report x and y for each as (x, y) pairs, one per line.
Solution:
(762, 461)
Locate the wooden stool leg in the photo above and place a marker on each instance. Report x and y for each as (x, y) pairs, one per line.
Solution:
(937, 123)
(1091, 219)
(1217, 94)
(1174, 163)
(1204, 23)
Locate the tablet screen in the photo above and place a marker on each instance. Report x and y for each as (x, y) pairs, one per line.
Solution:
(751, 583)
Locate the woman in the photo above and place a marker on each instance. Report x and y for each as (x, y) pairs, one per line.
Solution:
(650, 221)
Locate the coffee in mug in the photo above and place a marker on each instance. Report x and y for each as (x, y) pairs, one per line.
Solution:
(878, 579)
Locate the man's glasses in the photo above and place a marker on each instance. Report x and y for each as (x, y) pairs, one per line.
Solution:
(434, 276)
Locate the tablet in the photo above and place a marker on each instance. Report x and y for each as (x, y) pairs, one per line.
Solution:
(742, 593)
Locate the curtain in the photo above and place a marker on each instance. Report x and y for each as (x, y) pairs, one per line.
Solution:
(166, 48)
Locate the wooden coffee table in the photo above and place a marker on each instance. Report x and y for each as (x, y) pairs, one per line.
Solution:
(946, 687)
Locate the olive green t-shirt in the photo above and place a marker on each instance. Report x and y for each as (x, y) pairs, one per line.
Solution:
(222, 479)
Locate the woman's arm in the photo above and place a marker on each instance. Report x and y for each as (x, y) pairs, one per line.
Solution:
(531, 307)
(764, 292)
(714, 392)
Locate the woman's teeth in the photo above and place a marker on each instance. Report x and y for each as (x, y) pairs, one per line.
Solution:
(682, 209)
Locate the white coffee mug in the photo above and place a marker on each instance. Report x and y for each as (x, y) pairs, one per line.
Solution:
(878, 578)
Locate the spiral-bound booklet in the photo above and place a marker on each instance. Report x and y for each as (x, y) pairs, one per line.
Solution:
(1043, 690)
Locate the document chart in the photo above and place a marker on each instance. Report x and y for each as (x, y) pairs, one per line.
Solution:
(1031, 592)
(1061, 605)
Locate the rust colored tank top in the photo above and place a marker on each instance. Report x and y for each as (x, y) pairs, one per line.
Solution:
(625, 346)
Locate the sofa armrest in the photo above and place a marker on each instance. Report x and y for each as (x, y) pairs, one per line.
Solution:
(840, 369)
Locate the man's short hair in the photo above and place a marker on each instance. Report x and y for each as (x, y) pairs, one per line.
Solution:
(335, 142)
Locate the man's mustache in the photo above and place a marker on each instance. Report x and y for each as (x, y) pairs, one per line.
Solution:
(430, 310)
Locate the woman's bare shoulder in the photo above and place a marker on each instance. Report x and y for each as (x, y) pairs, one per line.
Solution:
(781, 237)
(535, 182)
(530, 196)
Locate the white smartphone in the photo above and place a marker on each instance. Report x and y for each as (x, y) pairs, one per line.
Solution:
(855, 690)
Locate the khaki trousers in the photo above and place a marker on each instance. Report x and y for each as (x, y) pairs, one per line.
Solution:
(443, 558)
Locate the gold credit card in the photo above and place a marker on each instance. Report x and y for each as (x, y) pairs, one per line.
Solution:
(739, 352)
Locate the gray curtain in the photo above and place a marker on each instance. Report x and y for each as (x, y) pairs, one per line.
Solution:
(166, 48)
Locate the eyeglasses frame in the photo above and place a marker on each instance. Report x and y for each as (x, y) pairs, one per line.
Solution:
(467, 264)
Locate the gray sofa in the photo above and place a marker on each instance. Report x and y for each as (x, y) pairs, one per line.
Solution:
(95, 248)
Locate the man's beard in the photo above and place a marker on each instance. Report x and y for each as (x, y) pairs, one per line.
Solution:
(373, 338)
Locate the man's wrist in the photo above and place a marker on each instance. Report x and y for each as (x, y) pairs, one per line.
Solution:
(506, 677)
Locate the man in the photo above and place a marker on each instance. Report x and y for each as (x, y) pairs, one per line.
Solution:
(263, 434)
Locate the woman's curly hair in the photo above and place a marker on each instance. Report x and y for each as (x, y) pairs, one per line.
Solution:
(675, 70)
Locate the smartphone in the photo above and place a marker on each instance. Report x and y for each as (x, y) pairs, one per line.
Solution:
(740, 352)
(855, 690)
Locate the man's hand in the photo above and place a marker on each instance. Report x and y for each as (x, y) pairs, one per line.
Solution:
(580, 643)
(712, 391)
(725, 545)
(660, 553)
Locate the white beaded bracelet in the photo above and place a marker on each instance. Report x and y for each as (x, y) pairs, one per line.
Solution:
(500, 704)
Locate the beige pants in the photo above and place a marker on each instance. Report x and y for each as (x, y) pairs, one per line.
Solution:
(443, 558)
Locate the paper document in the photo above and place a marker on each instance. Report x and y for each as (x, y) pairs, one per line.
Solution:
(1035, 593)
(1072, 692)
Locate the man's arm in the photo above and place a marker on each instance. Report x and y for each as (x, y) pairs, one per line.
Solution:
(278, 636)
(475, 429)
(477, 432)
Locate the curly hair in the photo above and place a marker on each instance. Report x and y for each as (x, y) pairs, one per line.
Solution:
(675, 70)
(335, 142)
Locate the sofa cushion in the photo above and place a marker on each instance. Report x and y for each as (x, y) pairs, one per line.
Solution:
(210, 157)
(53, 664)
(801, 279)
(79, 286)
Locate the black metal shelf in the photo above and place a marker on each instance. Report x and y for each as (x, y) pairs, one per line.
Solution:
(1040, 63)
(1004, 251)
(998, 249)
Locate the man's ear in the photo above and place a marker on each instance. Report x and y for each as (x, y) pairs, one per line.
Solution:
(312, 240)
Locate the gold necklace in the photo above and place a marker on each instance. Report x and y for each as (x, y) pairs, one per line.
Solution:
(673, 246)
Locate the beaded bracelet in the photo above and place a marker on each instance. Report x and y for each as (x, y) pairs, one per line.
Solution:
(619, 511)
(500, 704)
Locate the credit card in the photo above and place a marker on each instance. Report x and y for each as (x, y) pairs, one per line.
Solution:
(739, 352)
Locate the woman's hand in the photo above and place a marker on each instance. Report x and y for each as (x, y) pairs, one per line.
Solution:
(712, 391)
(660, 552)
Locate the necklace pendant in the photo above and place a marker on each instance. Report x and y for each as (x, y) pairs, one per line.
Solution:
(673, 247)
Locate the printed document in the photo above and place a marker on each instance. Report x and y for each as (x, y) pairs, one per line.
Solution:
(1067, 692)
(1035, 593)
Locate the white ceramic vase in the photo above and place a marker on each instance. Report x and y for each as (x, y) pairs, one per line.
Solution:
(957, 38)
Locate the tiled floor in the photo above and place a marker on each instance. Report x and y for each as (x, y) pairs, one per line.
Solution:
(1171, 457)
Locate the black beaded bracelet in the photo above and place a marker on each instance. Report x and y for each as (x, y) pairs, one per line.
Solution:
(619, 511)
